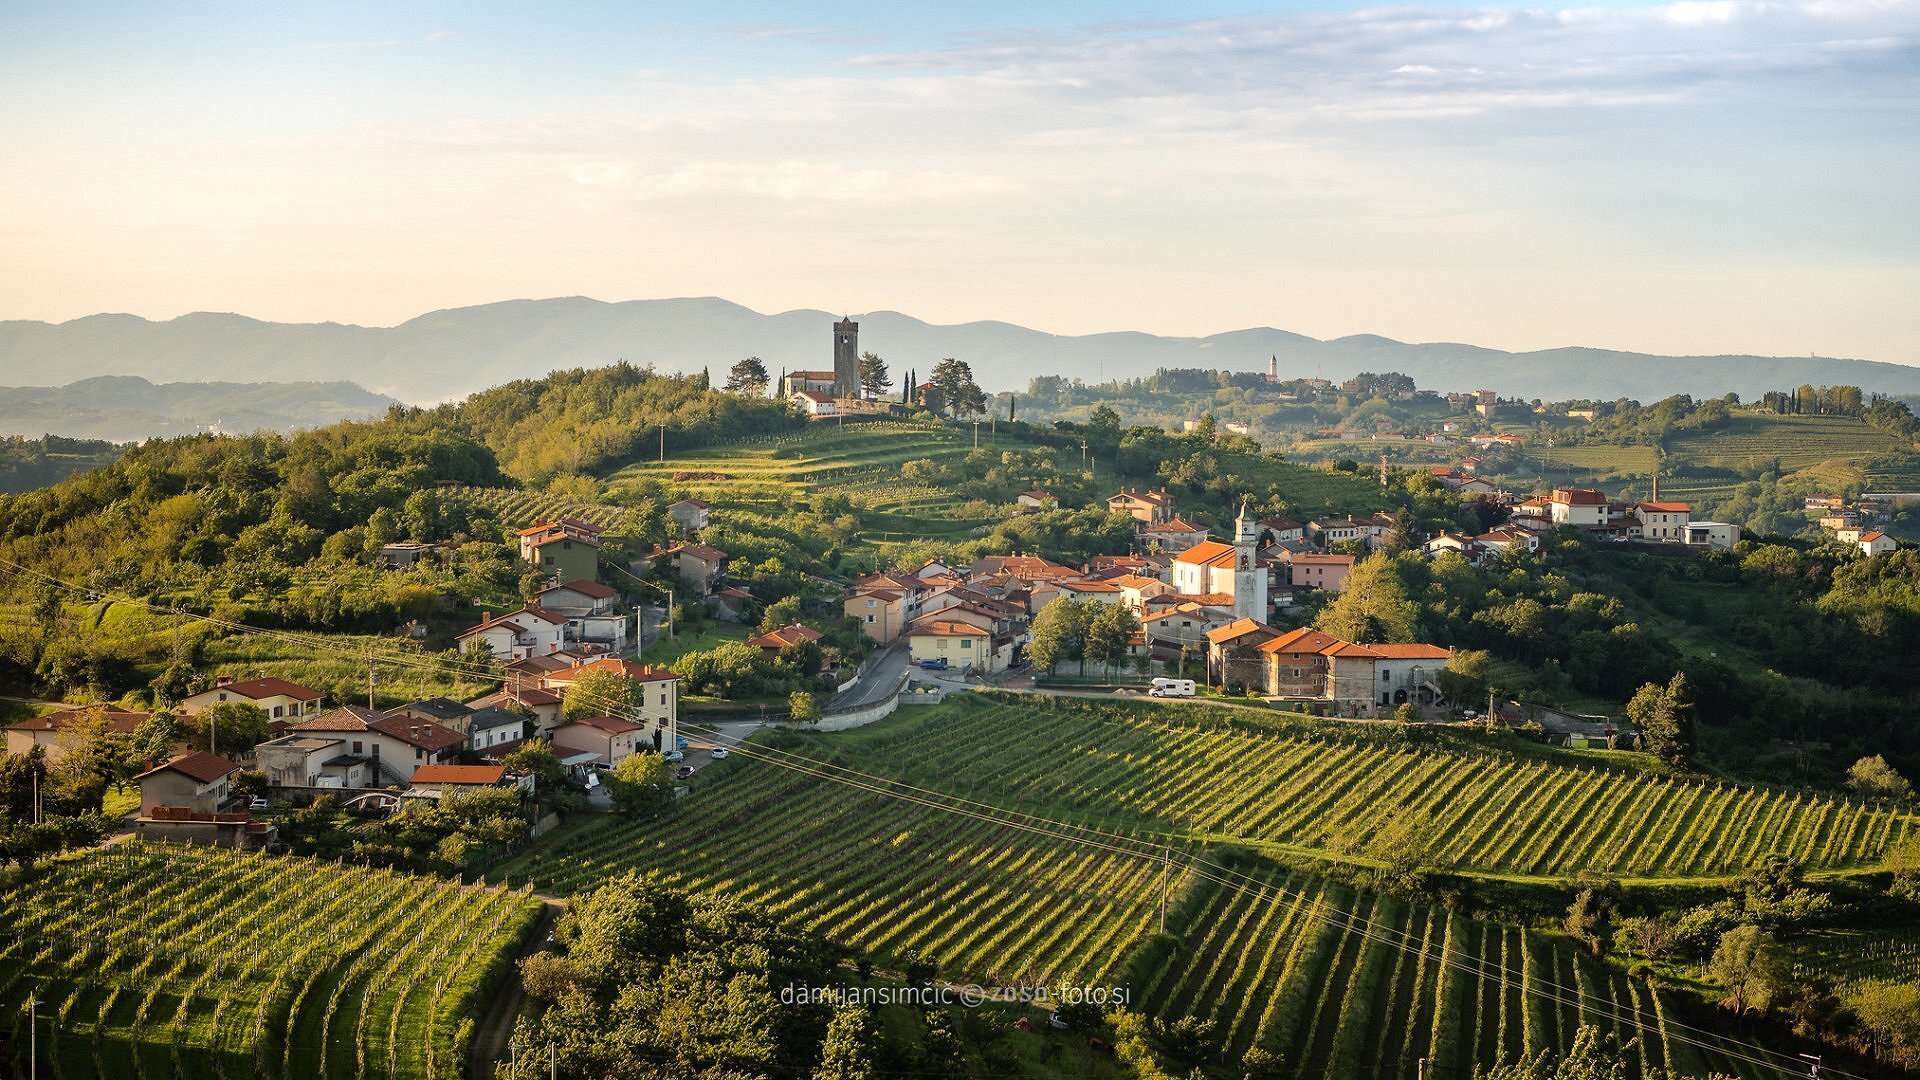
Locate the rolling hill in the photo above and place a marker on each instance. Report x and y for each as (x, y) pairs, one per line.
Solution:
(446, 354)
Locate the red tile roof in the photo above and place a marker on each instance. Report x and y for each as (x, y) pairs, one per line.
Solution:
(1207, 553)
(344, 718)
(486, 775)
(612, 725)
(199, 765)
(424, 734)
(945, 628)
(1304, 640)
(118, 720)
(636, 672)
(1412, 651)
(584, 588)
(790, 634)
(1239, 628)
(1667, 507)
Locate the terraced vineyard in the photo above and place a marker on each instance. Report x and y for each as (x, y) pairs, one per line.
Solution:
(886, 876)
(154, 961)
(1335, 981)
(518, 509)
(861, 460)
(1342, 983)
(1181, 769)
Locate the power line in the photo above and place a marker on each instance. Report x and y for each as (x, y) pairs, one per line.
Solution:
(1086, 835)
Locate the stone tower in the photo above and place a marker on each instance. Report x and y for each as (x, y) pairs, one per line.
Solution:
(846, 358)
(1249, 577)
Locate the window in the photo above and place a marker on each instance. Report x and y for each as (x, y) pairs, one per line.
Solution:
(966, 643)
(1386, 676)
(279, 710)
(356, 746)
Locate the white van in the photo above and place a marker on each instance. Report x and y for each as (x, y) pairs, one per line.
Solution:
(1172, 688)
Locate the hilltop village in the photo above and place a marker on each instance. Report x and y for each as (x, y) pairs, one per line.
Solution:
(646, 645)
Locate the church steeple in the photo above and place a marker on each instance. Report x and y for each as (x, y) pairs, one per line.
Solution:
(1245, 529)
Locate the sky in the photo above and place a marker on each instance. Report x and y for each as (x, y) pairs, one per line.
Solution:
(1702, 176)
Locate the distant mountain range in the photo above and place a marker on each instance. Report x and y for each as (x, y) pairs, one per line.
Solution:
(127, 408)
(448, 354)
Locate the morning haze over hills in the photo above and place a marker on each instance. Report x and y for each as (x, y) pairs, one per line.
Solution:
(450, 353)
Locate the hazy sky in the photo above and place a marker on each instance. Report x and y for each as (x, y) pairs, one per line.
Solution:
(1700, 176)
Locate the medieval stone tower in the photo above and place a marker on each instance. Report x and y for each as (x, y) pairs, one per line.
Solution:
(846, 358)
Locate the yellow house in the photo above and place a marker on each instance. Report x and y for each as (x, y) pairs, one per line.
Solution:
(959, 644)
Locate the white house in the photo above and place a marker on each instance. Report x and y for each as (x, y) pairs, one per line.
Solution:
(690, 514)
(1874, 542)
(1577, 507)
(279, 698)
(1717, 534)
(531, 631)
(813, 402)
(1665, 522)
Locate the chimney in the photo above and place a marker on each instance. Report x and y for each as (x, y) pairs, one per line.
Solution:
(486, 616)
(223, 680)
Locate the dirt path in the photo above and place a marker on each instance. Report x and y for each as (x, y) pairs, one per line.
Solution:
(491, 1035)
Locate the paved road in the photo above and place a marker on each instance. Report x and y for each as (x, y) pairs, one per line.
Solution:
(878, 681)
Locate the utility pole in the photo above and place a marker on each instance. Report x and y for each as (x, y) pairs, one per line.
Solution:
(1166, 869)
(1420, 1069)
(553, 1062)
(33, 1033)
(663, 443)
(373, 678)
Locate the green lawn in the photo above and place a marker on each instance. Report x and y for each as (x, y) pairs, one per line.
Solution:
(665, 650)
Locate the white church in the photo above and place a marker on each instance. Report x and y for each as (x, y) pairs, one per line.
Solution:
(1211, 568)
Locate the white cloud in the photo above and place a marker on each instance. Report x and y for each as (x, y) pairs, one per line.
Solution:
(790, 181)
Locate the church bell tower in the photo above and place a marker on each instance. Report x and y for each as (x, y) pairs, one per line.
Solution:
(1249, 577)
(846, 358)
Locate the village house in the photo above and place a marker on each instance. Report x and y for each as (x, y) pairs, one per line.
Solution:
(1184, 624)
(1281, 530)
(1233, 653)
(691, 515)
(446, 712)
(181, 802)
(404, 553)
(700, 565)
(610, 739)
(393, 745)
(881, 612)
(491, 727)
(1173, 536)
(771, 642)
(813, 402)
(312, 761)
(1137, 589)
(195, 781)
(1874, 542)
(568, 549)
(1149, 507)
(1714, 534)
(1313, 571)
(531, 631)
(797, 382)
(544, 704)
(440, 781)
(592, 611)
(278, 698)
(1037, 500)
(657, 689)
(1578, 508)
(1663, 522)
(960, 643)
(60, 732)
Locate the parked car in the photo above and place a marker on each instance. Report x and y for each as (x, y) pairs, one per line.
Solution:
(720, 752)
(674, 756)
(684, 772)
(938, 663)
(257, 803)
(679, 742)
(1172, 688)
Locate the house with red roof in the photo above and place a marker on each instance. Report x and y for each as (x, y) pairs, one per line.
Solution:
(60, 732)
(530, 631)
(1147, 507)
(609, 739)
(771, 642)
(815, 403)
(278, 698)
(1874, 542)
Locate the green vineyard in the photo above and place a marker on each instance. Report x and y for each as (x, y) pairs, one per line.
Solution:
(1318, 789)
(518, 509)
(1342, 983)
(954, 888)
(1327, 979)
(159, 961)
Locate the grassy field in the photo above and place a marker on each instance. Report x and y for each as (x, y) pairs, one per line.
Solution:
(155, 961)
